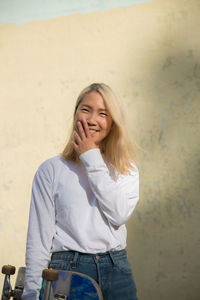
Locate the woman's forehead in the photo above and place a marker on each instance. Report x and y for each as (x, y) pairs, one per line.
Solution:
(94, 99)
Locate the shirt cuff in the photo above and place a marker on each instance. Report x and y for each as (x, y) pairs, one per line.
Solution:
(92, 158)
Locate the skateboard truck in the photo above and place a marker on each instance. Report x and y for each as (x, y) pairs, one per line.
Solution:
(7, 270)
(8, 292)
(49, 275)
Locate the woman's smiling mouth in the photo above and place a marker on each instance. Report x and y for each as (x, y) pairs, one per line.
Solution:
(93, 130)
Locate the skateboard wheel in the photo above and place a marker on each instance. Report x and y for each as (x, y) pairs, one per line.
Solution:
(8, 270)
(50, 274)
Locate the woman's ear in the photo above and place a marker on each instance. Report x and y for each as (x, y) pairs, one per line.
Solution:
(112, 125)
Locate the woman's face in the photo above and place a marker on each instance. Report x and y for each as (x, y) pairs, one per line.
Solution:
(93, 110)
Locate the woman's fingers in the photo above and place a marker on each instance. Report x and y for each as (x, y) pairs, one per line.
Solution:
(75, 146)
(76, 142)
(86, 128)
(81, 130)
(77, 137)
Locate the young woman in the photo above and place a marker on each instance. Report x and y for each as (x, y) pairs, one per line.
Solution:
(82, 199)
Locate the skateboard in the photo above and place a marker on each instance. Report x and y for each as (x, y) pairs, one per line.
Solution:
(57, 284)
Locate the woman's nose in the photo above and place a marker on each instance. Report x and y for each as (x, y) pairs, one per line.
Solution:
(91, 119)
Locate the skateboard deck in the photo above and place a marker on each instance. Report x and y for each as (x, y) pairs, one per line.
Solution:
(73, 286)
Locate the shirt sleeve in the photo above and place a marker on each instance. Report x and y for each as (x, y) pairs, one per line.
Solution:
(117, 198)
(41, 230)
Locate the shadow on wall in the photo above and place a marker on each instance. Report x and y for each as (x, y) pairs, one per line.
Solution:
(163, 234)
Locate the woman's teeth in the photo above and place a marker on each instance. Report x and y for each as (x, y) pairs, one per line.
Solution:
(93, 130)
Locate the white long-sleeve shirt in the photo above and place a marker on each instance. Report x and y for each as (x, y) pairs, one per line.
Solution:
(76, 206)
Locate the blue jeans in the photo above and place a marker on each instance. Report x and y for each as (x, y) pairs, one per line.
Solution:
(111, 270)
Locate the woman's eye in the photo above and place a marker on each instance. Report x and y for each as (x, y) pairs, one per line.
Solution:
(84, 109)
(103, 114)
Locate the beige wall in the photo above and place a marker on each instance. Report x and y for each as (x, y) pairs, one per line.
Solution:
(150, 54)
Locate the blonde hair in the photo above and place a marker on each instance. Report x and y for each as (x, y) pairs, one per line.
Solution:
(116, 146)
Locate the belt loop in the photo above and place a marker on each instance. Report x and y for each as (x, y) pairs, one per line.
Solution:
(96, 257)
(73, 262)
(112, 259)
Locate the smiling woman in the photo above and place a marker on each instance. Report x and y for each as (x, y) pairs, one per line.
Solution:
(82, 199)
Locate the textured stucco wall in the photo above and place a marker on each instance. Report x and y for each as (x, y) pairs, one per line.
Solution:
(150, 54)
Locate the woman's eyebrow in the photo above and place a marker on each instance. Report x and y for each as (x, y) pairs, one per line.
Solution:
(88, 106)
(85, 105)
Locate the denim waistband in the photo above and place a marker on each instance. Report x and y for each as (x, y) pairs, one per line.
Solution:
(58, 255)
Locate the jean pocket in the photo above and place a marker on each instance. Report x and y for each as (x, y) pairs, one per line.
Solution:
(123, 265)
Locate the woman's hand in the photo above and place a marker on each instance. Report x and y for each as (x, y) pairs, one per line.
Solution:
(83, 138)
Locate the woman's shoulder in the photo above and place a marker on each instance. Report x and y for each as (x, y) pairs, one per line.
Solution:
(51, 162)
(52, 165)
(51, 168)
(56, 164)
